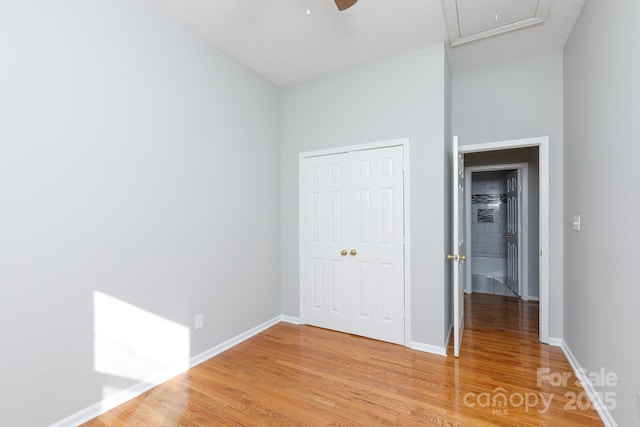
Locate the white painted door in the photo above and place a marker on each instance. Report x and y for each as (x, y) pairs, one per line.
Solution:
(353, 251)
(458, 245)
(512, 234)
(376, 234)
(324, 220)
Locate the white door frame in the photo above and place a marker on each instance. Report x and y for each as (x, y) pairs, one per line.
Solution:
(404, 143)
(523, 207)
(543, 152)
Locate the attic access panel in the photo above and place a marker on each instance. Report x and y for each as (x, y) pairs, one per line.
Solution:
(470, 20)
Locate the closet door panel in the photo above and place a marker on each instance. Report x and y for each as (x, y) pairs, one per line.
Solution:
(324, 224)
(377, 214)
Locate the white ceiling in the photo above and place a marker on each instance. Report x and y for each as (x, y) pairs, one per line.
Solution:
(279, 41)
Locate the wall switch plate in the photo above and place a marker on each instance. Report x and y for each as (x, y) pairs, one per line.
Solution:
(199, 321)
(576, 223)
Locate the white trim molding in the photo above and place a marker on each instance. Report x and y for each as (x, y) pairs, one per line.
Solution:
(448, 337)
(290, 319)
(556, 342)
(581, 374)
(428, 348)
(136, 390)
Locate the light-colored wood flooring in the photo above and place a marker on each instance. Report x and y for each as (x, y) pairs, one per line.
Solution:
(306, 376)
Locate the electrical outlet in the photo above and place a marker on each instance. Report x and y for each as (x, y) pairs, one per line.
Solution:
(199, 321)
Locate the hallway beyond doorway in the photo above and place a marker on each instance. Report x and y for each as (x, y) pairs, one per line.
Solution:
(500, 314)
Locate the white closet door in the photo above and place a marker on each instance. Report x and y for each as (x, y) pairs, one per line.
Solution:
(353, 249)
(376, 233)
(325, 291)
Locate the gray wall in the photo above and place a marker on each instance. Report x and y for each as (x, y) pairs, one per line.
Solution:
(448, 182)
(397, 97)
(521, 99)
(136, 162)
(602, 131)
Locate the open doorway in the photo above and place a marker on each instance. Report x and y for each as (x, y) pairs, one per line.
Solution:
(494, 218)
(497, 217)
(535, 153)
(503, 232)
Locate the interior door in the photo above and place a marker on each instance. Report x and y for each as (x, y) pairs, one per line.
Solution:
(324, 227)
(376, 251)
(513, 232)
(457, 258)
(352, 226)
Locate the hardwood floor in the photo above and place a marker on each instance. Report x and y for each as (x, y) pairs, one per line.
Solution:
(306, 376)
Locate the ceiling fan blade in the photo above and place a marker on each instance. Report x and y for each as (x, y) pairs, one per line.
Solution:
(345, 4)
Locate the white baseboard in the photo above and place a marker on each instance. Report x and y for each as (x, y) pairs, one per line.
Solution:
(208, 354)
(604, 413)
(446, 343)
(428, 348)
(556, 342)
(290, 319)
(533, 298)
(123, 396)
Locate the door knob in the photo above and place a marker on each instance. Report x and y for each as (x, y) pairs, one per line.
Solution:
(462, 257)
(457, 257)
(343, 252)
(450, 257)
(353, 252)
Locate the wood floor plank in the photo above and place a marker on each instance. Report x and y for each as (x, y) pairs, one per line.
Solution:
(305, 376)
